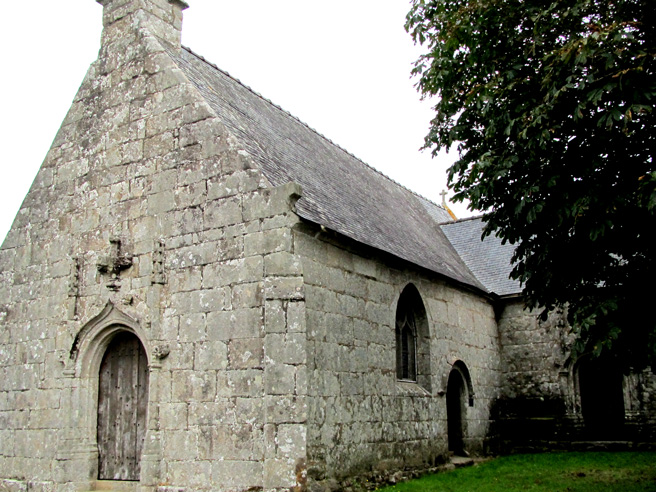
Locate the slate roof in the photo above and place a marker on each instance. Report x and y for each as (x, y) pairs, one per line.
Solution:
(340, 192)
(488, 259)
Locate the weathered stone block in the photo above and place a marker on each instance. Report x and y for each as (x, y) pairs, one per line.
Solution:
(279, 379)
(237, 442)
(165, 122)
(222, 212)
(192, 195)
(193, 386)
(186, 279)
(161, 202)
(232, 184)
(198, 132)
(192, 327)
(296, 316)
(266, 242)
(186, 221)
(242, 383)
(279, 473)
(211, 355)
(275, 317)
(192, 255)
(271, 202)
(201, 301)
(173, 416)
(291, 440)
(174, 97)
(286, 409)
(232, 160)
(197, 474)
(235, 324)
(282, 264)
(249, 411)
(246, 270)
(284, 288)
(238, 474)
(245, 353)
(286, 348)
(247, 295)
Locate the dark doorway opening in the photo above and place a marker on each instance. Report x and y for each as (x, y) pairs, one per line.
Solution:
(602, 399)
(456, 396)
(122, 405)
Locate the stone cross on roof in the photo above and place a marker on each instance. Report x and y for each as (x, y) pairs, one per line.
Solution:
(444, 193)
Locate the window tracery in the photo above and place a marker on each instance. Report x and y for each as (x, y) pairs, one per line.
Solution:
(412, 339)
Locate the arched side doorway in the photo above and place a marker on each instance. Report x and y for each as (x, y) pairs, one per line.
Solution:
(122, 408)
(602, 398)
(459, 396)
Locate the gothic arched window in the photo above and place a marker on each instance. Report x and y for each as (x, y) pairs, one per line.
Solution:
(406, 345)
(412, 339)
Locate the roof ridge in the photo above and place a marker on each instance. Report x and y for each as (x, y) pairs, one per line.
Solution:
(464, 219)
(216, 67)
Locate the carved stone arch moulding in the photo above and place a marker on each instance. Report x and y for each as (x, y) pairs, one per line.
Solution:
(410, 291)
(92, 340)
(411, 286)
(459, 366)
(413, 359)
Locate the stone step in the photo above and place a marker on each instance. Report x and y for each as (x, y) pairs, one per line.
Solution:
(461, 461)
(114, 485)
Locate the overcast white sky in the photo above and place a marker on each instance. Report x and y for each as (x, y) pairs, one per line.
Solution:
(342, 67)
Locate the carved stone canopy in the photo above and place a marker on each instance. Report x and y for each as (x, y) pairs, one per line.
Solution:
(92, 340)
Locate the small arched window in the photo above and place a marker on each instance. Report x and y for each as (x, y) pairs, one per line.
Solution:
(406, 345)
(412, 339)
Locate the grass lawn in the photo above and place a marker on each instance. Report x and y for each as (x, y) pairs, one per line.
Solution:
(549, 472)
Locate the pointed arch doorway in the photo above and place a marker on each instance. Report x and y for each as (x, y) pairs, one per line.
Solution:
(122, 406)
(455, 412)
(459, 395)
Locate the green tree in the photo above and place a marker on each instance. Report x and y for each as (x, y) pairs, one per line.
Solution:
(550, 104)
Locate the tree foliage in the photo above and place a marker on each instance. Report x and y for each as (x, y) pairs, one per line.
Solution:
(550, 104)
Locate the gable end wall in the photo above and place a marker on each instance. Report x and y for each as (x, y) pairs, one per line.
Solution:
(145, 201)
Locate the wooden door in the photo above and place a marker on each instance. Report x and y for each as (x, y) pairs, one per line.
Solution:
(122, 403)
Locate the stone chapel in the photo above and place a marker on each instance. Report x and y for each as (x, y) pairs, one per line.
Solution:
(201, 293)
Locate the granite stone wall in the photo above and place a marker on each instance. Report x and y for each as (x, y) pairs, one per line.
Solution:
(534, 352)
(270, 350)
(540, 403)
(147, 217)
(362, 421)
(270, 341)
(537, 397)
